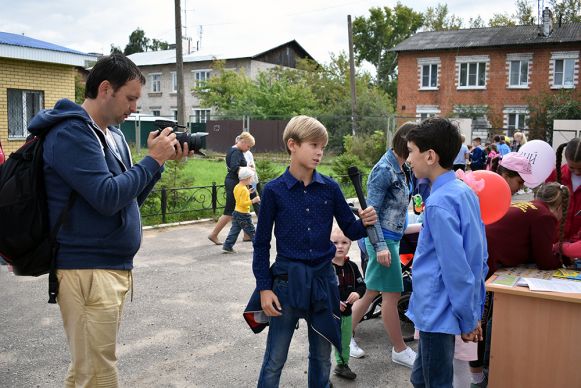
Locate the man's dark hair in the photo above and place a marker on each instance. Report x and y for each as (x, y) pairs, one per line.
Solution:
(115, 68)
(477, 139)
(497, 138)
(399, 142)
(440, 135)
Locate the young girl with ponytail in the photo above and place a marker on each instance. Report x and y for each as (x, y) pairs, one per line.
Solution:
(569, 174)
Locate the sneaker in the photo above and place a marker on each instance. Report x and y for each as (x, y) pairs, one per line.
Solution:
(354, 350)
(343, 370)
(482, 384)
(228, 250)
(405, 357)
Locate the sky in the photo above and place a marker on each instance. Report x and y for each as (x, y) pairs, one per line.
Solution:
(319, 26)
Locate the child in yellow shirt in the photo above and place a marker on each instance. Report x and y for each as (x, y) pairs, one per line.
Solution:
(241, 219)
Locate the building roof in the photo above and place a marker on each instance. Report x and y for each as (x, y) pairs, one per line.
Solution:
(169, 56)
(26, 48)
(489, 37)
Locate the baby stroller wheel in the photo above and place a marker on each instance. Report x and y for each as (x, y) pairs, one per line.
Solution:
(407, 326)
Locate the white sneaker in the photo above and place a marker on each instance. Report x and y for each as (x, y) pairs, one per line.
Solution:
(354, 350)
(405, 357)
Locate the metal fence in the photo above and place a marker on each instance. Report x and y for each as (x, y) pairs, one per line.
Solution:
(189, 203)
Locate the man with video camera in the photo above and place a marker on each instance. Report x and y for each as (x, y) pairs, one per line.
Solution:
(88, 167)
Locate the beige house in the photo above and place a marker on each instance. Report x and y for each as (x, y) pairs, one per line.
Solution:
(34, 75)
(159, 96)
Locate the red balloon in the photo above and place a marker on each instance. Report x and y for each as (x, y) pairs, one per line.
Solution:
(494, 198)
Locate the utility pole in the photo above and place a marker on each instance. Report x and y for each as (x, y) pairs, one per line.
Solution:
(352, 75)
(180, 65)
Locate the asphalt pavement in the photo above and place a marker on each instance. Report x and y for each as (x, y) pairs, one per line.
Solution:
(184, 327)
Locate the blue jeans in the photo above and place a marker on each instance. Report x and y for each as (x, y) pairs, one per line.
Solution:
(434, 365)
(240, 221)
(280, 334)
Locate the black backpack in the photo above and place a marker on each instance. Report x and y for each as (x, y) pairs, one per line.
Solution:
(26, 241)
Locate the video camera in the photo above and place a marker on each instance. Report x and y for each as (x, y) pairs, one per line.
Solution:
(194, 140)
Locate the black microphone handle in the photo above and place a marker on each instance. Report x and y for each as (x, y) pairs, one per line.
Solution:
(355, 177)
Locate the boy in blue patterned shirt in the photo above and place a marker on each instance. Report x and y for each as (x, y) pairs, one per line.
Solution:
(301, 204)
(450, 259)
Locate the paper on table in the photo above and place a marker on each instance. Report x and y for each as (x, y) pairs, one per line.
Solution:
(553, 285)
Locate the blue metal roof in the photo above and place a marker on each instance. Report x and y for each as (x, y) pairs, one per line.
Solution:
(25, 41)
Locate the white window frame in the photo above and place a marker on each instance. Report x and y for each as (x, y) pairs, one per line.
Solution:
(200, 80)
(155, 82)
(425, 111)
(522, 60)
(432, 65)
(569, 61)
(521, 116)
(28, 104)
(481, 62)
(174, 82)
(201, 115)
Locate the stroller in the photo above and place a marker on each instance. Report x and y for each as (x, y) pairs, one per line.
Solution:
(406, 252)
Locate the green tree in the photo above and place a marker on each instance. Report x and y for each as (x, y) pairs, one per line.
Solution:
(437, 19)
(568, 10)
(138, 42)
(115, 49)
(525, 14)
(477, 22)
(79, 88)
(501, 20)
(382, 30)
(157, 45)
(547, 107)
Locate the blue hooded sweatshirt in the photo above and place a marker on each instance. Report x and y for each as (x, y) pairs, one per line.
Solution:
(103, 230)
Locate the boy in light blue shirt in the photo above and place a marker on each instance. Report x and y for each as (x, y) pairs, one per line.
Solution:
(450, 259)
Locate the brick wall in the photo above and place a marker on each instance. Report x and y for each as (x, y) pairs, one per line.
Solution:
(496, 95)
(56, 81)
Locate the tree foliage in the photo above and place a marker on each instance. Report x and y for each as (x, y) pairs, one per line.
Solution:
(501, 20)
(382, 30)
(568, 10)
(322, 91)
(437, 19)
(476, 22)
(547, 107)
(139, 43)
(525, 15)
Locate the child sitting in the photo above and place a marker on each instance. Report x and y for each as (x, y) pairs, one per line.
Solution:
(351, 288)
(241, 219)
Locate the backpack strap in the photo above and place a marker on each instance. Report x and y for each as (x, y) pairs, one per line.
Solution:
(53, 284)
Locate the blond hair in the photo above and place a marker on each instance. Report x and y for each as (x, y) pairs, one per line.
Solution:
(521, 136)
(304, 128)
(247, 138)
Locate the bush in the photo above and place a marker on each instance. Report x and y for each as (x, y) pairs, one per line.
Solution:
(369, 149)
(266, 170)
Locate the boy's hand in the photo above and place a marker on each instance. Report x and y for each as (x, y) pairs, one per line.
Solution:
(368, 216)
(270, 304)
(256, 199)
(384, 258)
(474, 336)
(353, 297)
(342, 305)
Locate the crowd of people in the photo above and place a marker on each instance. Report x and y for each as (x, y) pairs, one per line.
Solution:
(311, 276)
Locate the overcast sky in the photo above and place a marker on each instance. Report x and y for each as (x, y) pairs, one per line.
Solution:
(320, 26)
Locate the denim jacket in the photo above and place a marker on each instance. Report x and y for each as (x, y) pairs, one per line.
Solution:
(388, 193)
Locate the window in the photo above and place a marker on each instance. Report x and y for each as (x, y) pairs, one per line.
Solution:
(425, 111)
(156, 113)
(175, 114)
(516, 121)
(430, 76)
(201, 115)
(519, 73)
(22, 106)
(564, 72)
(201, 77)
(174, 82)
(472, 74)
(155, 83)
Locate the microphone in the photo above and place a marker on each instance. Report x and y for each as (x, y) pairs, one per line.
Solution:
(355, 177)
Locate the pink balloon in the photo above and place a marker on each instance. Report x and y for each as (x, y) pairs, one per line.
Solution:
(494, 197)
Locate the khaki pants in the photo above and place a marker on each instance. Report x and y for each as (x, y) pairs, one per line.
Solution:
(91, 302)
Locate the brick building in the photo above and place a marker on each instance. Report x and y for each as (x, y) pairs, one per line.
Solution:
(486, 73)
(33, 75)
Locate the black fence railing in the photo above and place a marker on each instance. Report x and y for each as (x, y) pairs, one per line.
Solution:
(190, 203)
